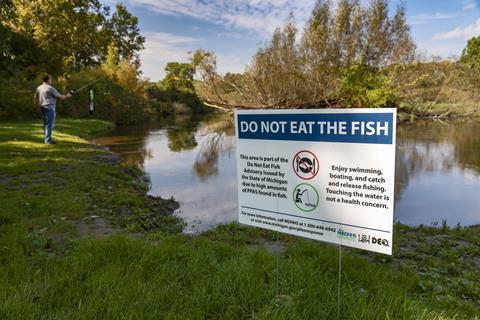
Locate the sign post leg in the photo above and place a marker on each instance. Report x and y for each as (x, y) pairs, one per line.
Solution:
(277, 270)
(339, 280)
(278, 259)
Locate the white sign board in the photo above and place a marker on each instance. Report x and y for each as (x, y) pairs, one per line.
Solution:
(321, 174)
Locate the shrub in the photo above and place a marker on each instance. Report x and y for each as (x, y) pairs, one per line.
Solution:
(362, 86)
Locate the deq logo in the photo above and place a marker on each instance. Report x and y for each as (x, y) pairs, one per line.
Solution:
(373, 240)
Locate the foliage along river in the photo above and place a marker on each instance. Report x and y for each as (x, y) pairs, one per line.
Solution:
(192, 158)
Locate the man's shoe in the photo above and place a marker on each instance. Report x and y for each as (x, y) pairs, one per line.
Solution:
(51, 142)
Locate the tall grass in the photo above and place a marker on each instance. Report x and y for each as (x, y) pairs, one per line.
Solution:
(183, 278)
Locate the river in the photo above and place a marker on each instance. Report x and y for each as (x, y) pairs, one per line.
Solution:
(192, 158)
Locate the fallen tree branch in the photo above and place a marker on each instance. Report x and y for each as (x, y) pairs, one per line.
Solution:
(228, 107)
(216, 106)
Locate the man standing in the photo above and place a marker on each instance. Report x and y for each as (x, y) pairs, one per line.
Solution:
(46, 99)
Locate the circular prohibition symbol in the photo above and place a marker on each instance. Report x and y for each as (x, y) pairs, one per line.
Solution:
(305, 165)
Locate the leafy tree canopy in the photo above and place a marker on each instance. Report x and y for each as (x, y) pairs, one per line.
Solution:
(471, 54)
(63, 35)
(179, 76)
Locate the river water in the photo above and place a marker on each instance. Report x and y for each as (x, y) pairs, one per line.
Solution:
(192, 158)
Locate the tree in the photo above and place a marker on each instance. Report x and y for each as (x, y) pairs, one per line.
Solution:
(205, 65)
(378, 44)
(403, 47)
(361, 85)
(333, 41)
(346, 33)
(16, 50)
(276, 69)
(112, 60)
(317, 51)
(126, 34)
(179, 76)
(471, 54)
(71, 33)
(75, 34)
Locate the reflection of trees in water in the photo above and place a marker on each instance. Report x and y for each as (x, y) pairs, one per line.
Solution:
(219, 124)
(206, 163)
(416, 156)
(137, 158)
(217, 131)
(129, 143)
(468, 151)
(181, 136)
(181, 139)
(434, 146)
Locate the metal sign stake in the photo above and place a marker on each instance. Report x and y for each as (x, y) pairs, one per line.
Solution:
(339, 280)
(278, 259)
(277, 270)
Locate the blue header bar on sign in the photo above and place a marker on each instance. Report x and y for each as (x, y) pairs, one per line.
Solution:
(329, 127)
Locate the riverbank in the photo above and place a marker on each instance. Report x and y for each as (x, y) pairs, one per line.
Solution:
(73, 185)
(405, 112)
(80, 240)
(438, 111)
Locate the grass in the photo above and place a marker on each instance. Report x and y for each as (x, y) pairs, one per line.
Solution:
(70, 180)
(48, 272)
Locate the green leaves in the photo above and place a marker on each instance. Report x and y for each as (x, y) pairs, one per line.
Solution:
(363, 86)
(179, 76)
(471, 54)
(64, 36)
(341, 56)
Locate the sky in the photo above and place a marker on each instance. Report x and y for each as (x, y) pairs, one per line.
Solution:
(235, 29)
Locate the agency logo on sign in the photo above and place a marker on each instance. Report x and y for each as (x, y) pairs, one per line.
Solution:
(305, 197)
(373, 240)
(305, 165)
(342, 234)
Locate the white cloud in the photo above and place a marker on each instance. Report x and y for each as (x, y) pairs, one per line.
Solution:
(467, 32)
(429, 49)
(469, 5)
(261, 16)
(160, 48)
(231, 63)
(427, 18)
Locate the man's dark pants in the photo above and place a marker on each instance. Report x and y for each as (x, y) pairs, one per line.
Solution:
(48, 123)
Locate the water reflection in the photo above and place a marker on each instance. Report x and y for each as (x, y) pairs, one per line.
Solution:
(181, 136)
(215, 143)
(188, 157)
(192, 159)
(438, 173)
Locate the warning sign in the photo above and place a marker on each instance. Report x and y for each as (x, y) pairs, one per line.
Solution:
(321, 174)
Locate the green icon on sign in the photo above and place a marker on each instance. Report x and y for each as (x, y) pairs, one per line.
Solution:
(305, 197)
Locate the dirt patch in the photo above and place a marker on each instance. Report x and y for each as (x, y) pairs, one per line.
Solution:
(276, 247)
(96, 227)
(5, 180)
(108, 158)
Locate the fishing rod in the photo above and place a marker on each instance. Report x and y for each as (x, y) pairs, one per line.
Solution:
(85, 86)
(90, 94)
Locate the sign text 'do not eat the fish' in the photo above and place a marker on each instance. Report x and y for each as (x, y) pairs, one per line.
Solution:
(321, 174)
